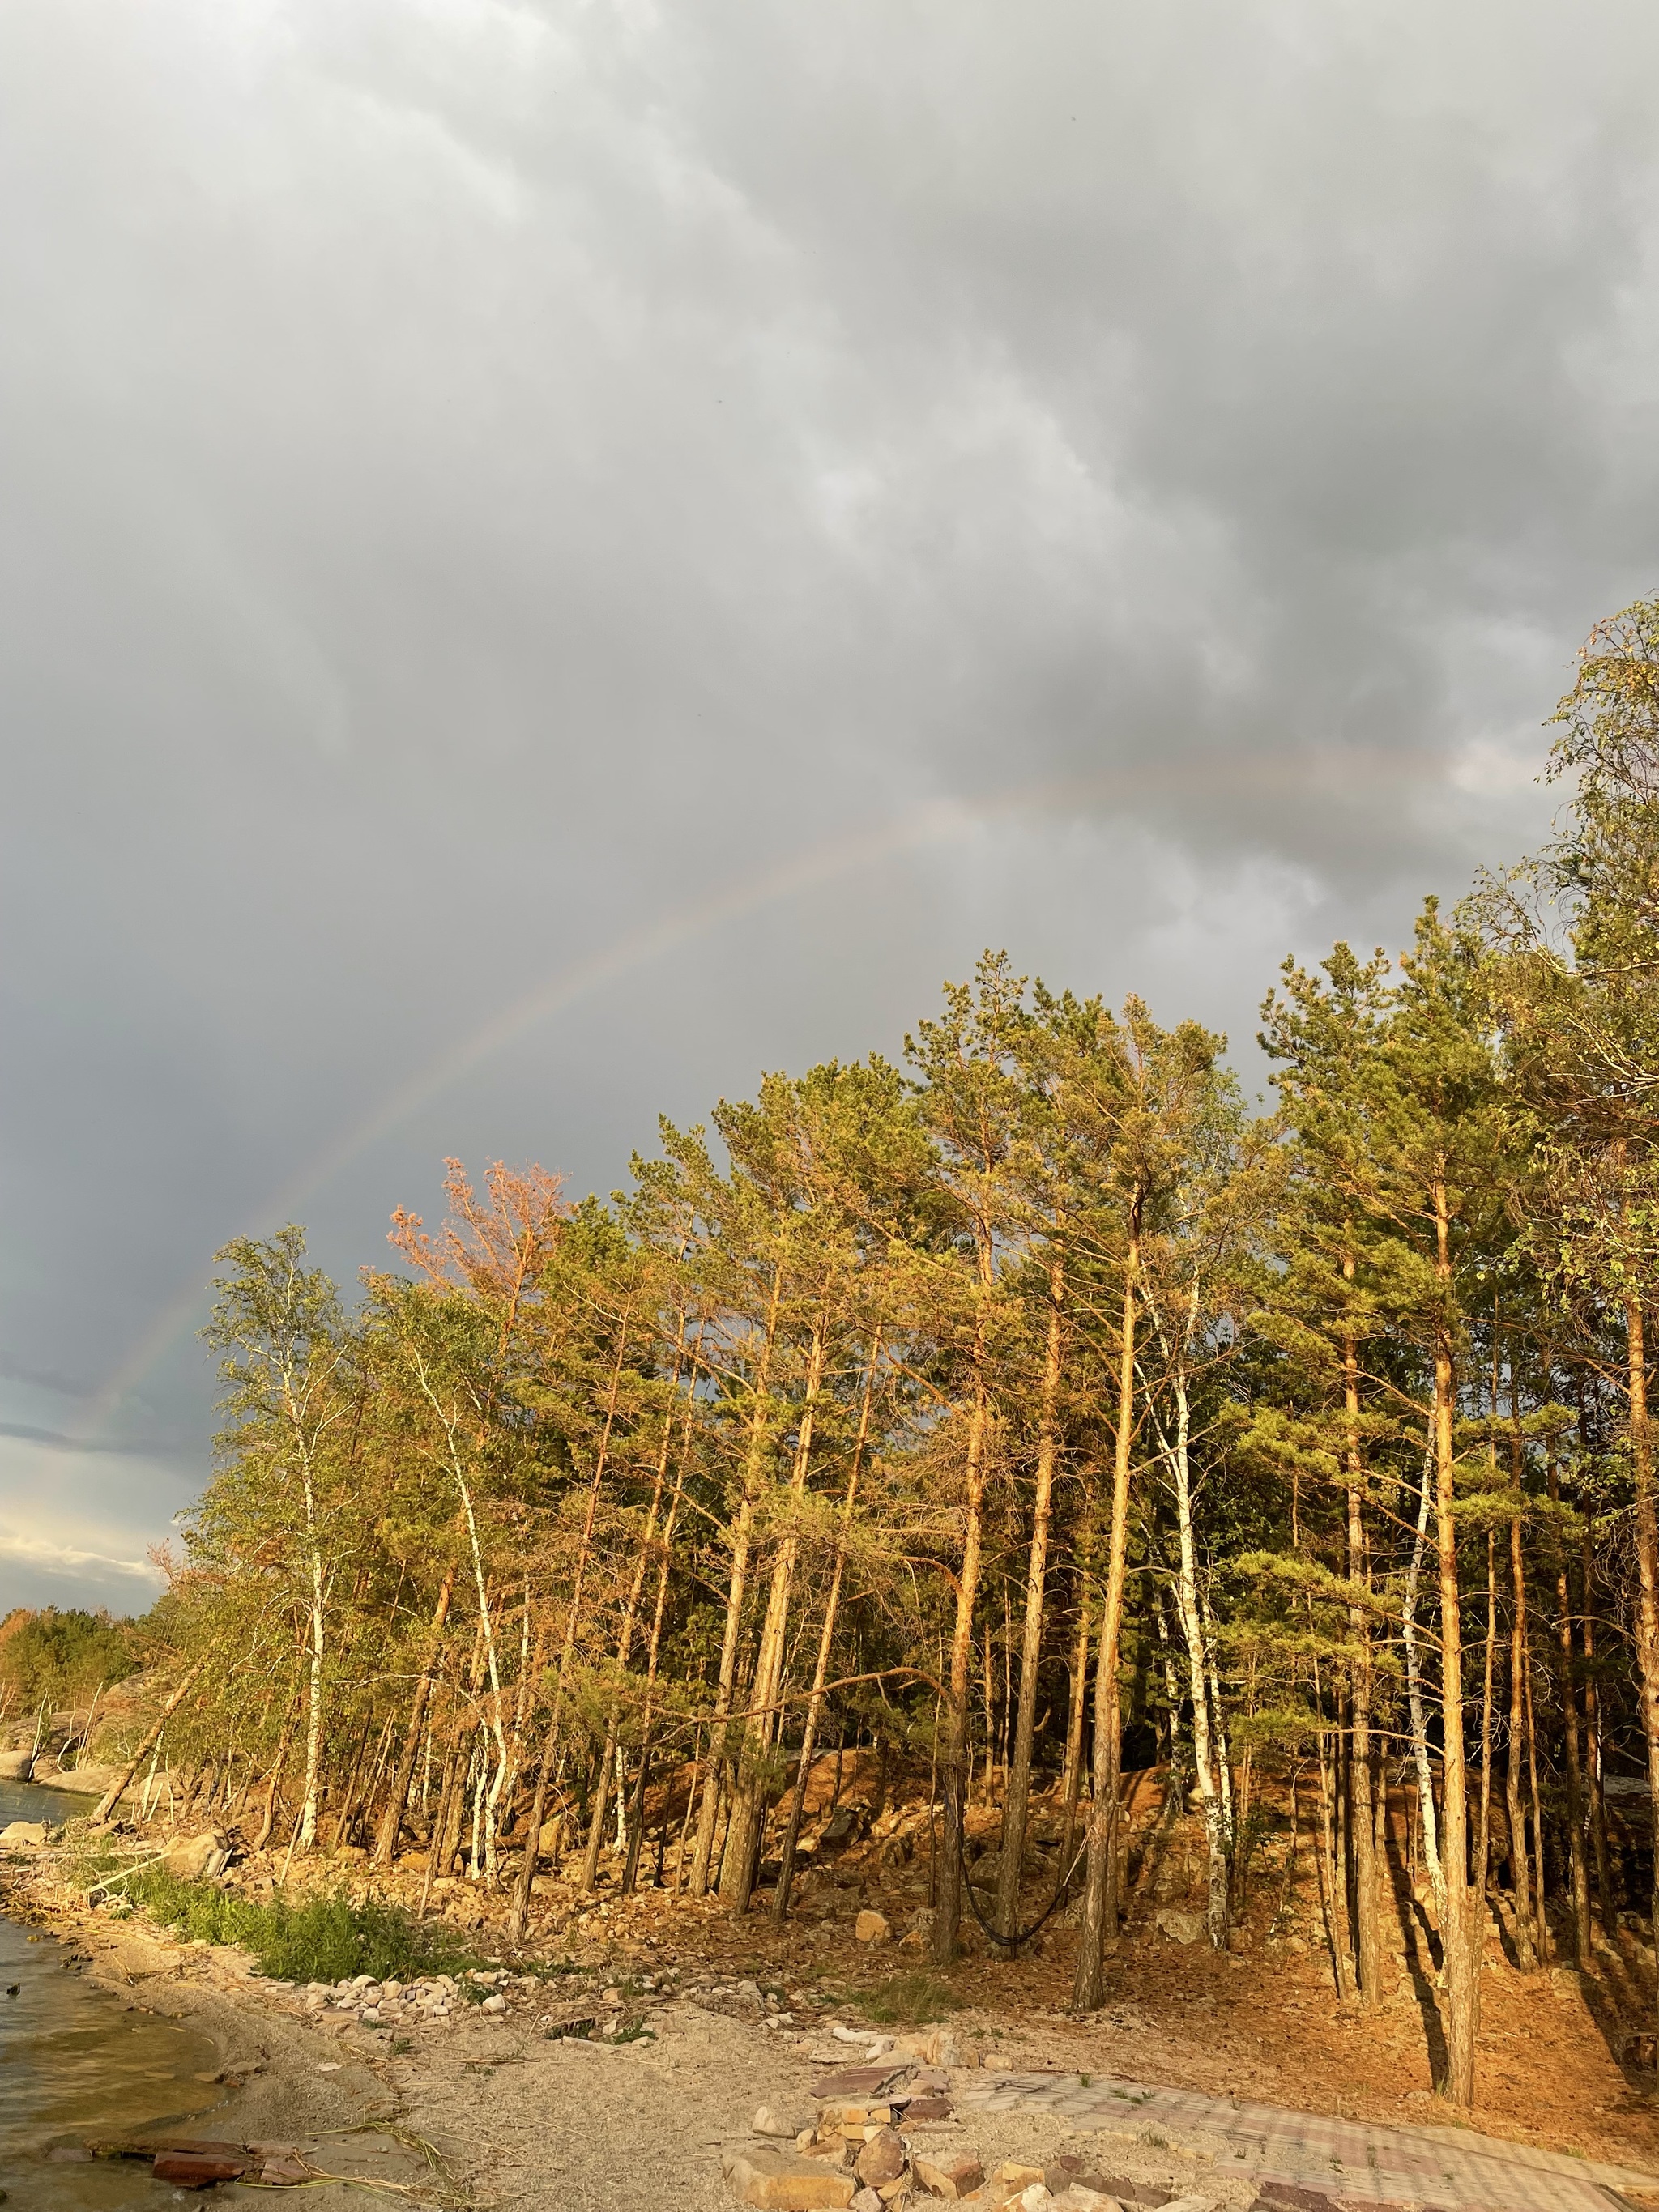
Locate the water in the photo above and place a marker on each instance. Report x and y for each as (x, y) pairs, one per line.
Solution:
(76, 2063)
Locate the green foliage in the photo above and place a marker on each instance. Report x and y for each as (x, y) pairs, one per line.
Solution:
(61, 1658)
(327, 1938)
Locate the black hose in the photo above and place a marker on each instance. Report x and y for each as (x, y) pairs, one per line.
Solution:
(1011, 1943)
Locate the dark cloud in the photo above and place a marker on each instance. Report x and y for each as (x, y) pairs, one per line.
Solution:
(480, 478)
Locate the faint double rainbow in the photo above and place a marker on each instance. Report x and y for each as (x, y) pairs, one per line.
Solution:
(938, 822)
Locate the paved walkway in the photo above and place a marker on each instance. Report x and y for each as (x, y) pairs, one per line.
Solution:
(1352, 2162)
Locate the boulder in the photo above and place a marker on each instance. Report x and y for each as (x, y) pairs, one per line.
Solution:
(24, 1832)
(16, 1765)
(872, 1928)
(1034, 2199)
(198, 1858)
(882, 2159)
(782, 2116)
(1180, 1927)
(954, 2173)
(88, 1779)
(783, 2181)
(1014, 2175)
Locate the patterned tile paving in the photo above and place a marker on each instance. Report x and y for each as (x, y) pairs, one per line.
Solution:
(1352, 2162)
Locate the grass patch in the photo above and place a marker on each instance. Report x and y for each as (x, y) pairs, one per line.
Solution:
(908, 2000)
(325, 1938)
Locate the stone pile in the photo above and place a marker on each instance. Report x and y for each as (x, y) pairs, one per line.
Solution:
(876, 2137)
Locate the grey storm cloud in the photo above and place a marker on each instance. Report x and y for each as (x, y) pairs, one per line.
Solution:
(556, 556)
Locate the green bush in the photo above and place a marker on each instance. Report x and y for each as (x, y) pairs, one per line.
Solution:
(326, 1938)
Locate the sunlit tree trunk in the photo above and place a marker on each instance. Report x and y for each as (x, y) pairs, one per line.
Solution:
(739, 1865)
(826, 1644)
(723, 1743)
(1362, 1824)
(1408, 1635)
(1457, 1934)
(1017, 1795)
(953, 1766)
(1100, 1900)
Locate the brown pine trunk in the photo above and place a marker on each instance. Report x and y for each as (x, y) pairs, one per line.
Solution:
(723, 1743)
(1647, 1561)
(1100, 1897)
(1457, 1933)
(953, 1772)
(1362, 1825)
(1578, 1870)
(630, 1871)
(1483, 1837)
(1540, 1869)
(1605, 1890)
(1526, 1946)
(1017, 1795)
(625, 1648)
(1333, 1887)
(1072, 1784)
(739, 1865)
(385, 1841)
(826, 1642)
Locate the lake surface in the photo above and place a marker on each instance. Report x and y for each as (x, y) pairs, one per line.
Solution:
(76, 2062)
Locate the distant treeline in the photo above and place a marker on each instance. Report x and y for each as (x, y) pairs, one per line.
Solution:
(1031, 1409)
(60, 1660)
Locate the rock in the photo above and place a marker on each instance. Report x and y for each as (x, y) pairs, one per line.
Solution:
(189, 2169)
(1076, 2198)
(781, 2181)
(1034, 2199)
(953, 2174)
(783, 2116)
(24, 1832)
(198, 1858)
(881, 2159)
(16, 1765)
(285, 2173)
(857, 2084)
(872, 1928)
(1014, 2175)
(928, 2108)
(494, 2004)
(1069, 2171)
(1180, 1927)
(867, 2200)
(1191, 2204)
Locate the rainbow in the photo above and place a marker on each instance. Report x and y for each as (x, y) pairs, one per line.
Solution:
(938, 822)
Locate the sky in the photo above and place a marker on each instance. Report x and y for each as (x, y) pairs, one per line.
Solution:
(554, 557)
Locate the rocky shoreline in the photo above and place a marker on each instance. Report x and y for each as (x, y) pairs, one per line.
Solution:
(629, 2090)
